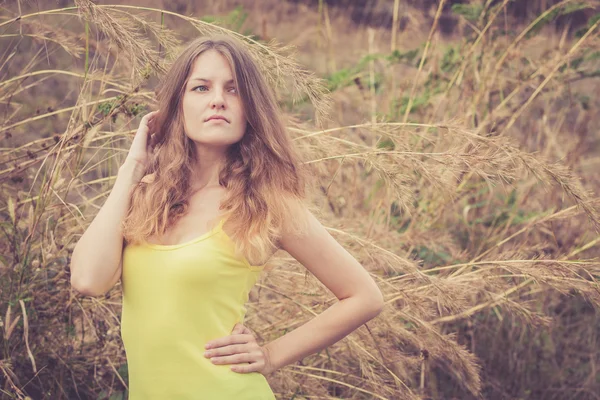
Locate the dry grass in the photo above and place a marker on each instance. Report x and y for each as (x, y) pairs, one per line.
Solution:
(482, 231)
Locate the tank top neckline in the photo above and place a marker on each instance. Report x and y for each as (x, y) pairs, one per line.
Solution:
(200, 238)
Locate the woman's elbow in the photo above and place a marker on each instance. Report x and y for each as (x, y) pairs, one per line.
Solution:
(376, 303)
(85, 288)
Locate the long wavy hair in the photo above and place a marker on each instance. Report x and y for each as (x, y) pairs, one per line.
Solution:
(263, 174)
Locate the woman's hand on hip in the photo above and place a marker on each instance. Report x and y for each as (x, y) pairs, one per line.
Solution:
(239, 348)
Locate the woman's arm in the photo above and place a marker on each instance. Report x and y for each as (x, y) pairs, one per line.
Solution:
(97, 258)
(360, 299)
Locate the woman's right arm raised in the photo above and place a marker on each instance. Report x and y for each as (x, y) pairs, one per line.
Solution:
(97, 258)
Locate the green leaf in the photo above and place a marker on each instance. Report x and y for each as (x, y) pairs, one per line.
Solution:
(567, 9)
(118, 395)
(450, 60)
(593, 20)
(407, 56)
(387, 144)
(471, 12)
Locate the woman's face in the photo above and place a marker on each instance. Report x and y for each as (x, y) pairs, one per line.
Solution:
(210, 90)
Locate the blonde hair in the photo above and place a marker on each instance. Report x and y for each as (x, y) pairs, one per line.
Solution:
(263, 174)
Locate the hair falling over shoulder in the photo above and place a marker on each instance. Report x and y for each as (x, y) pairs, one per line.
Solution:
(264, 176)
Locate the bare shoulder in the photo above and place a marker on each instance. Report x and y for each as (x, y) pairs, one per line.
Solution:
(306, 228)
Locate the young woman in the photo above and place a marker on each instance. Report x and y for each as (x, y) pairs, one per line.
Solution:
(210, 189)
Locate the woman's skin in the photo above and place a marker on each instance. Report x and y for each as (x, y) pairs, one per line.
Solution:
(215, 94)
(210, 90)
(360, 299)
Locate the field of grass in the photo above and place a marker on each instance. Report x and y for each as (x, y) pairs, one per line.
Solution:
(460, 169)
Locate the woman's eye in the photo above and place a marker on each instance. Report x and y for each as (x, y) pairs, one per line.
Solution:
(205, 87)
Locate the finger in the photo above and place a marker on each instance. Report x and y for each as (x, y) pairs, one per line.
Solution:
(229, 350)
(152, 123)
(140, 139)
(227, 340)
(151, 142)
(150, 114)
(246, 330)
(148, 119)
(234, 359)
(246, 368)
(241, 329)
(238, 328)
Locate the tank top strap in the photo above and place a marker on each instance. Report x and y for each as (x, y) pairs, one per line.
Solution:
(219, 226)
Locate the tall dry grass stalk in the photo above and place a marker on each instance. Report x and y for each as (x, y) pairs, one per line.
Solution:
(464, 227)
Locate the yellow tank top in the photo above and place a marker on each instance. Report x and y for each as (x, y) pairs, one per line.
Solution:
(176, 298)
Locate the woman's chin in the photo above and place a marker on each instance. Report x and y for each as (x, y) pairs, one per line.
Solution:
(214, 140)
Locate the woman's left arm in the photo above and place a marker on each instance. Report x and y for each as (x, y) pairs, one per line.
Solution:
(360, 299)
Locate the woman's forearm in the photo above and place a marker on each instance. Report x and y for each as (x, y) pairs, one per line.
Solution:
(327, 328)
(97, 255)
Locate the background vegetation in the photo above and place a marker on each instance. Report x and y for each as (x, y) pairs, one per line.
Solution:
(455, 150)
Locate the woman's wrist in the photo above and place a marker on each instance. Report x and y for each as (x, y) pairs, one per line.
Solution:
(131, 172)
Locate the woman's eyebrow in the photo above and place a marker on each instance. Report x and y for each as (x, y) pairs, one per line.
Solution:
(208, 80)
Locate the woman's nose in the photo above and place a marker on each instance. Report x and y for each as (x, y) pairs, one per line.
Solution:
(217, 100)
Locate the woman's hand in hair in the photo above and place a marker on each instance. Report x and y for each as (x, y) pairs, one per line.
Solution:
(240, 348)
(139, 152)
